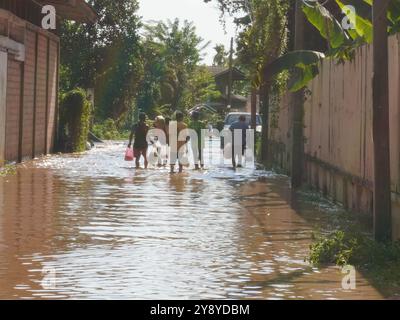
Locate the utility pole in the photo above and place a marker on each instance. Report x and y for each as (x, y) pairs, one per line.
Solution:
(297, 147)
(230, 79)
(380, 124)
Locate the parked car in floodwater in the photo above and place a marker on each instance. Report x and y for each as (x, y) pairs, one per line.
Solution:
(234, 116)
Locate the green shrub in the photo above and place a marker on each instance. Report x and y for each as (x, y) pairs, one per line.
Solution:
(353, 247)
(258, 146)
(74, 121)
(7, 170)
(108, 130)
(378, 262)
(337, 248)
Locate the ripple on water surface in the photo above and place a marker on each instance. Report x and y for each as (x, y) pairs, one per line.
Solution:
(107, 230)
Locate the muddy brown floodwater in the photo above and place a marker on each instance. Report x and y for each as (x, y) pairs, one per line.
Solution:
(90, 226)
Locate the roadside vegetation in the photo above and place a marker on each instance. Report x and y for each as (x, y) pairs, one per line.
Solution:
(134, 66)
(157, 67)
(109, 130)
(8, 169)
(75, 112)
(343, 238)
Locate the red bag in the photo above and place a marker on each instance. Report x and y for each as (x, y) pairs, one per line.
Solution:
(129, 154)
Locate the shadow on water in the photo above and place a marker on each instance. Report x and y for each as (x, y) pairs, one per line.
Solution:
(109, 231)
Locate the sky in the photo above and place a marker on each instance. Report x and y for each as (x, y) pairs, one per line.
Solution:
(205, 17)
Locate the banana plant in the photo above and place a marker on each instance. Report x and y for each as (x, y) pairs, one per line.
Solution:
(342, 41)
(303, 65)
(358, 29)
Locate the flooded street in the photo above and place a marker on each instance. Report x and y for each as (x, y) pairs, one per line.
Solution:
(102, 229)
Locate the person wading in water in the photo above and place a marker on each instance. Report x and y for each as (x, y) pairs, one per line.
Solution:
(140, 145)
(161, 144)
(180, 152)
(197, 125)
(239, 147)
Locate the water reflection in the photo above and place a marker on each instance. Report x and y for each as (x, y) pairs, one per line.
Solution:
(28, 225)
(113, 232)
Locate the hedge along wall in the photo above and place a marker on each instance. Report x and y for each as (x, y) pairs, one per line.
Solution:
(74, 121)
(338, 131)
(31, 93)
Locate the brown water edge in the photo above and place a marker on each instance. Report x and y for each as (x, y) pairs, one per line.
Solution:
(109, 231)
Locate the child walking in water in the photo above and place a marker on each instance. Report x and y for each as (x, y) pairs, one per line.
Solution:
(140, 144)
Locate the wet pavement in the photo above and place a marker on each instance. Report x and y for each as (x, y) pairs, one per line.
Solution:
(90, 226)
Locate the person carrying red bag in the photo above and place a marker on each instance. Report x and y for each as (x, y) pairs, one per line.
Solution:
(140, 145)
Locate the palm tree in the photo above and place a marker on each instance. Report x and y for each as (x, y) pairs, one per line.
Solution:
(179, 50)
(221, 56)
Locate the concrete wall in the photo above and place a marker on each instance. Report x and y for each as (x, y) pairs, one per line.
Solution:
(338, 131)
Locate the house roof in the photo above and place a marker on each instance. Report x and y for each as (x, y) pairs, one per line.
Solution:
(76, 10)
(236, 97)
(219, 72)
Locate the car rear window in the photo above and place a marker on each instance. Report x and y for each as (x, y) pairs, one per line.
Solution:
(235, 117)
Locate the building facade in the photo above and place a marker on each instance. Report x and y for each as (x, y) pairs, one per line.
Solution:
(29, 64)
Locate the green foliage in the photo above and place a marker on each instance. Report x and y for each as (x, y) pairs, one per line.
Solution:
(65, 78)
(263, 32)
(7, 170)
(74, 120)
(363, 18)
(363, 27)
(117, 86)
(128, 71)
(172, 54)
(379, 262)
(258, 148)
(221, 58)
(108, 130)
(105, 56)
(345, 239)
(216, 119)
(394, 16)
(265, 38)
(200, 88)
(352, 247)
(303, 62)
(343, 42)
(326, 24)
(338, 248)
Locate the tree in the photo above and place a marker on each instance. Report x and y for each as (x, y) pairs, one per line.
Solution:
(149, 92)
(262, 39)
(105, 55)
(172, 55)
(221, 56)
(201, 88)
